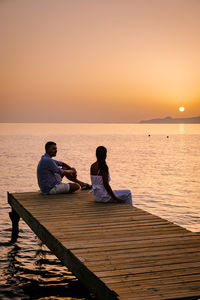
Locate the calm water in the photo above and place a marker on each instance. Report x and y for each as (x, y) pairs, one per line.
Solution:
(163, 174)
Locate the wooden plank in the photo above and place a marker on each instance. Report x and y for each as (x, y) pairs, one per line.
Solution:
(136, 228)
(139, 265)
(114, 248)
(139, 245)
(152, 275)
(166, 291)
(137, 269)
(150, 240)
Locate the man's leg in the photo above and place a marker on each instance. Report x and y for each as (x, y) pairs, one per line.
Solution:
(82, 184)
(64, 188)
(74, 179)
(74, 187)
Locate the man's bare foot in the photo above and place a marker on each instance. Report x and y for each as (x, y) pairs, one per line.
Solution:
(86, 187)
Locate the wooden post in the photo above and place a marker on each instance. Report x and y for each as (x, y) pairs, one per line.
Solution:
(15, 224)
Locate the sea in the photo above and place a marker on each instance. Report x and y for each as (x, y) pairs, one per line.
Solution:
(159, 163)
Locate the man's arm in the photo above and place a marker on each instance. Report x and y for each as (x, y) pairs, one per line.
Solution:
(66, 166)
(62, 164)
(69, 174)
(53, 166)
(73, 174)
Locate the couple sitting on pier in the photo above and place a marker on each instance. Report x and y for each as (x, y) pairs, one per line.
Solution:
(50, 173)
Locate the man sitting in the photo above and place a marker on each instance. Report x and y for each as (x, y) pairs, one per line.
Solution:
(51, 171)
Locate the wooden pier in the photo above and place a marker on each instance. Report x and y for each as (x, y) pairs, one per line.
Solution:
(115, 250)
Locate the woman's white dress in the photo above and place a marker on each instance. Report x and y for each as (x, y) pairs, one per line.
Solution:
(101, 195)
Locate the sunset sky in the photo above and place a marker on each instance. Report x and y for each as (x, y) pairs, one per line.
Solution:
(99, 60)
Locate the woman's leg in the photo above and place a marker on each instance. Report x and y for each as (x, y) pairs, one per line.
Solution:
(124, 195)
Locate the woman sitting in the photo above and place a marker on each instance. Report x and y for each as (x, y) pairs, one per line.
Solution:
(100, 178)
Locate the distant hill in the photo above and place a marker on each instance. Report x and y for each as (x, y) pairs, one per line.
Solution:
(170, 120)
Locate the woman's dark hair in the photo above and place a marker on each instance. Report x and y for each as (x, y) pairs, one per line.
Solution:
(101, 152)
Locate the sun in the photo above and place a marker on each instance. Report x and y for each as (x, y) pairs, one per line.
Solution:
(181, 108)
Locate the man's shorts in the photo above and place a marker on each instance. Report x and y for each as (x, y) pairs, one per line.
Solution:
(61, 188)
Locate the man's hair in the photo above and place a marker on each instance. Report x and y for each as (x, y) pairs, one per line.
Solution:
(49, 144)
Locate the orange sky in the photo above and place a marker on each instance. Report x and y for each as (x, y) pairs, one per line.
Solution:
(99, 60)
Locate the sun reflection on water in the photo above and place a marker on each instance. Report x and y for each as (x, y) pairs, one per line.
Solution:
(181, 128)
